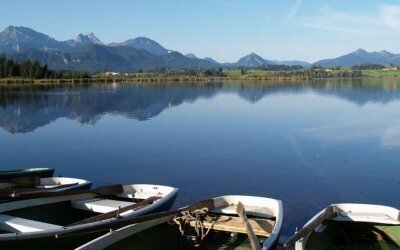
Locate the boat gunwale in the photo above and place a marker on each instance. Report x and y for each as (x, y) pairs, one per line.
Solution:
(78, 183)
(25, 170)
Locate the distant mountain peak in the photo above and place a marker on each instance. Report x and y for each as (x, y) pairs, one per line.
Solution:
(9, 28)
(17, 28)
(14, 30)
(211, 60)
(143, 43)
(385, 53)
(253, 55)
(191, 55)
(18, 38)
(89, 38)
(360, 51)
(253, 60)
(143, 39)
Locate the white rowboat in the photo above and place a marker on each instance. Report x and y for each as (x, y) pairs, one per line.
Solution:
(257, 208)
(9, 190)
(66, 212)
(350, 226)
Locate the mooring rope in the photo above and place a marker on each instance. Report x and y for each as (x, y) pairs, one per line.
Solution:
(198, 216)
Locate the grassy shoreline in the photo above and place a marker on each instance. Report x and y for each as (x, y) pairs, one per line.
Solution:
(153, 79)
(252, 75)
(156, 79)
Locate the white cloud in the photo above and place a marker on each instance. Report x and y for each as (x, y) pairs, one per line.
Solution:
(391, 16)
(330, 19)
(389, 136)
(348, 131)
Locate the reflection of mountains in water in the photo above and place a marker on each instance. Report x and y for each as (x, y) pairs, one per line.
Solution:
(24, 111)
(358, 91)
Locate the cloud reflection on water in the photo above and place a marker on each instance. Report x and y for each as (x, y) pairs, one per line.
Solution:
(391, 136)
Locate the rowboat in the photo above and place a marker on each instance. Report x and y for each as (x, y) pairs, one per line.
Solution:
(28, 172)
(227, 228)
(39, 221)
(350, 226)
(12, 189)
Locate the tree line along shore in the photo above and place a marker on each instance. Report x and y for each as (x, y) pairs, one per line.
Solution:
(32, 72)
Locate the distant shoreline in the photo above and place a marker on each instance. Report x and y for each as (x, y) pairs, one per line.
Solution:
(166, 79)
(158, 80)
(155, 79)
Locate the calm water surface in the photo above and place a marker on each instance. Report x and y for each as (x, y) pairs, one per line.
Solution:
(308, 144)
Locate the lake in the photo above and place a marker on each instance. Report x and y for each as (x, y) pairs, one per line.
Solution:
(309, 144)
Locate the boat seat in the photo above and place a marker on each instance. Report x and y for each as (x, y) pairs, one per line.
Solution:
(366, 217)
(250, 210)
(144, 195)
(21, 225)
(260, 226)
(98, 205)
(140, 195)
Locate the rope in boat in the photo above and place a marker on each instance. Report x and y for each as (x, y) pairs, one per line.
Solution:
(198, 216)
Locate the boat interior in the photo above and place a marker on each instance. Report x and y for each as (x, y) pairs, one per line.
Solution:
(61, 213)
(354, 235)
(230, 234)
(225, 219)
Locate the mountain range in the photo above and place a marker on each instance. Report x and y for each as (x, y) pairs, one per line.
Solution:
(361, 56)
(89, 53)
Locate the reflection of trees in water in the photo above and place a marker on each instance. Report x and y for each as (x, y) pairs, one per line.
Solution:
(358, 91)
(25, 109)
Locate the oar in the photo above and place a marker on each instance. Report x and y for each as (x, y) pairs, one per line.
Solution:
(105, 190)
(122, 222)
(116, 212)
(326, 215)
(255, 244)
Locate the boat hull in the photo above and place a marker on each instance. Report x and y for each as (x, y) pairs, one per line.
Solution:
(49, 242)
(29, 172)
(46, 185)
(78, 184)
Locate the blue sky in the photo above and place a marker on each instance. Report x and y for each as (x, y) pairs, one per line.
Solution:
(223, 29)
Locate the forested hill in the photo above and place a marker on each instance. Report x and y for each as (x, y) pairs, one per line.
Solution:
(28, 69)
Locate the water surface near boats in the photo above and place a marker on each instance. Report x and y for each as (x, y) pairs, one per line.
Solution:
(309, 144)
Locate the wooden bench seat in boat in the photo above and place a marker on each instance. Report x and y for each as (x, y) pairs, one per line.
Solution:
(21, 225)
(250, 210)
(261, 227)
(100, 205)
(144, 195)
